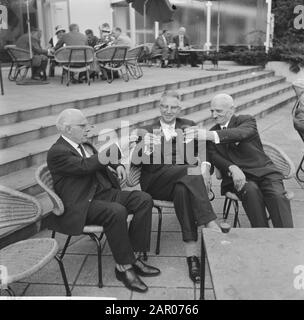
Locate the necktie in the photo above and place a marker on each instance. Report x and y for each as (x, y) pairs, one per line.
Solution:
(80, 146)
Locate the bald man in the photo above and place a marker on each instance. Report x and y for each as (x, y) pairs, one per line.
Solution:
(235, 148)
(91, 196)
(181, 42)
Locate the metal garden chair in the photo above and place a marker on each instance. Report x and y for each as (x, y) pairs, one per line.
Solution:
(113, 59)
(21, 62)
(280, 160)
(22, 259)
(75, 59)
(133, 178)
(133, 55)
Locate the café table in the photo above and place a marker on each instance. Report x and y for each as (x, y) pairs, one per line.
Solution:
(254, 263)
(202, 55)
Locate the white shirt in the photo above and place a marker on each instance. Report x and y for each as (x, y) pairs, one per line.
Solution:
(168, 130)
(75, 146)
(165, 40)
(181, 41)
(216, 136)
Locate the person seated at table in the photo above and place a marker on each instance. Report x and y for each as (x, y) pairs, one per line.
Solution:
(169, 174)
(92, 39)
(40, 55)
(235, 148)
(73, 38)
(106, 38)
(162, 46)
(182, 42)
(121, 39)
(59, 32)
(91, 195)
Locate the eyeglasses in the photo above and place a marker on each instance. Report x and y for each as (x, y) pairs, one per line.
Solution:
(167, 107)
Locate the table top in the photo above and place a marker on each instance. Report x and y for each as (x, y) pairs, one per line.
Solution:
(197, 50)
(256, 263)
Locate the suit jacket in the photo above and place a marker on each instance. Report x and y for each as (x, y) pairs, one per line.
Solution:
(150, 171)
(23, 43)
(159, 45)
(176, 41)
(240, 145)
(72, 39)
(122, 40)
(76, 180)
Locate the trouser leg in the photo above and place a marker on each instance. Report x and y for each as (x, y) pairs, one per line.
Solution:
(276, 202)
(253, 203)
(192, 205)
(113, 217)
(140, 205)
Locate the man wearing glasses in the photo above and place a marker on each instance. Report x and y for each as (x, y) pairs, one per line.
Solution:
(169, 173)
(91, 195)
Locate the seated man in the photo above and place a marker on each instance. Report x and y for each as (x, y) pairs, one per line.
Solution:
(91, 196)
(235, 148)
(121, 39)
(161, 46)
(171, 178)
(92, 40)
(40, 55)
(182, 42)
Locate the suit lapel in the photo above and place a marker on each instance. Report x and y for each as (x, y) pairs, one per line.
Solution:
(72, 149)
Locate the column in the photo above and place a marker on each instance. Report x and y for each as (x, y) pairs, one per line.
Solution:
(156, 29)
(268, 29)
(132, 24)
(208, 28)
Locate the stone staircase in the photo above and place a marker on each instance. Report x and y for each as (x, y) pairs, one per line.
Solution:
(26, 135)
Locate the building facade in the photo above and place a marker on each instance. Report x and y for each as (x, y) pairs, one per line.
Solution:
(232, 21)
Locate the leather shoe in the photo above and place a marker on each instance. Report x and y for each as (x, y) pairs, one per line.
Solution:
(144, 270)
(131, 281)
(194, 268)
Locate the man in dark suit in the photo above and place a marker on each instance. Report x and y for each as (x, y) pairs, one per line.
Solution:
(182, 42)
(167, 173)
(235, 148)
(40, 55)
(161, 46)
(91, 195)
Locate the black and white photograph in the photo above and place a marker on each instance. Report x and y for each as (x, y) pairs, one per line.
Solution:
(152, 150)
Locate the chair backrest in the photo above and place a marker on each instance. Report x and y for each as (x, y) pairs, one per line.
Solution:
(45, 181)
(17, 208)
(133, 175)
(280, 159)
(74, 55)
(120, 54)
(148, 47)
(18, 54)
(105, 54)
(135, 53)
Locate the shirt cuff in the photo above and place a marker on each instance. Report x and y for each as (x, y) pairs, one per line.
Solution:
(204, 165)
(216, 137)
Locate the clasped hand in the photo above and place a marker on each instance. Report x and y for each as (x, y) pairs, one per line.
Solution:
(238, 177)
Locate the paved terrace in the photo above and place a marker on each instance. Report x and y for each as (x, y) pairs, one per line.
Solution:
(80, 260)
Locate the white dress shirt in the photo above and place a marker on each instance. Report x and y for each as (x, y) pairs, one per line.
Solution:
(168, 130)
(76, 146)
(181, 41)
(216, 136)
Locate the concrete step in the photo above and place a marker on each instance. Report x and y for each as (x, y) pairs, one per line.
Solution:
(265, 101)
(18, 133)
(28, 112)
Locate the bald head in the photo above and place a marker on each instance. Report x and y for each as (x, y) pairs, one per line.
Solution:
(222, 108)
(73, 124)
(182, 30)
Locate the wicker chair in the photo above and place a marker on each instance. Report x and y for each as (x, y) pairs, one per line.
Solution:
(113, 59)
(21, 62)
(75, 59)
(280, 160)
(44, 179)
(133, 55)
(133, 178)
(24, 258)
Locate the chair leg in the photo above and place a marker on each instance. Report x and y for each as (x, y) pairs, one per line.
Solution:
(10, 291)
(226, 210)
(65, 247)
(300, 169)
(160, 218)
(64, 277)
(145, 257)
(94, 237)
(236, 213)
